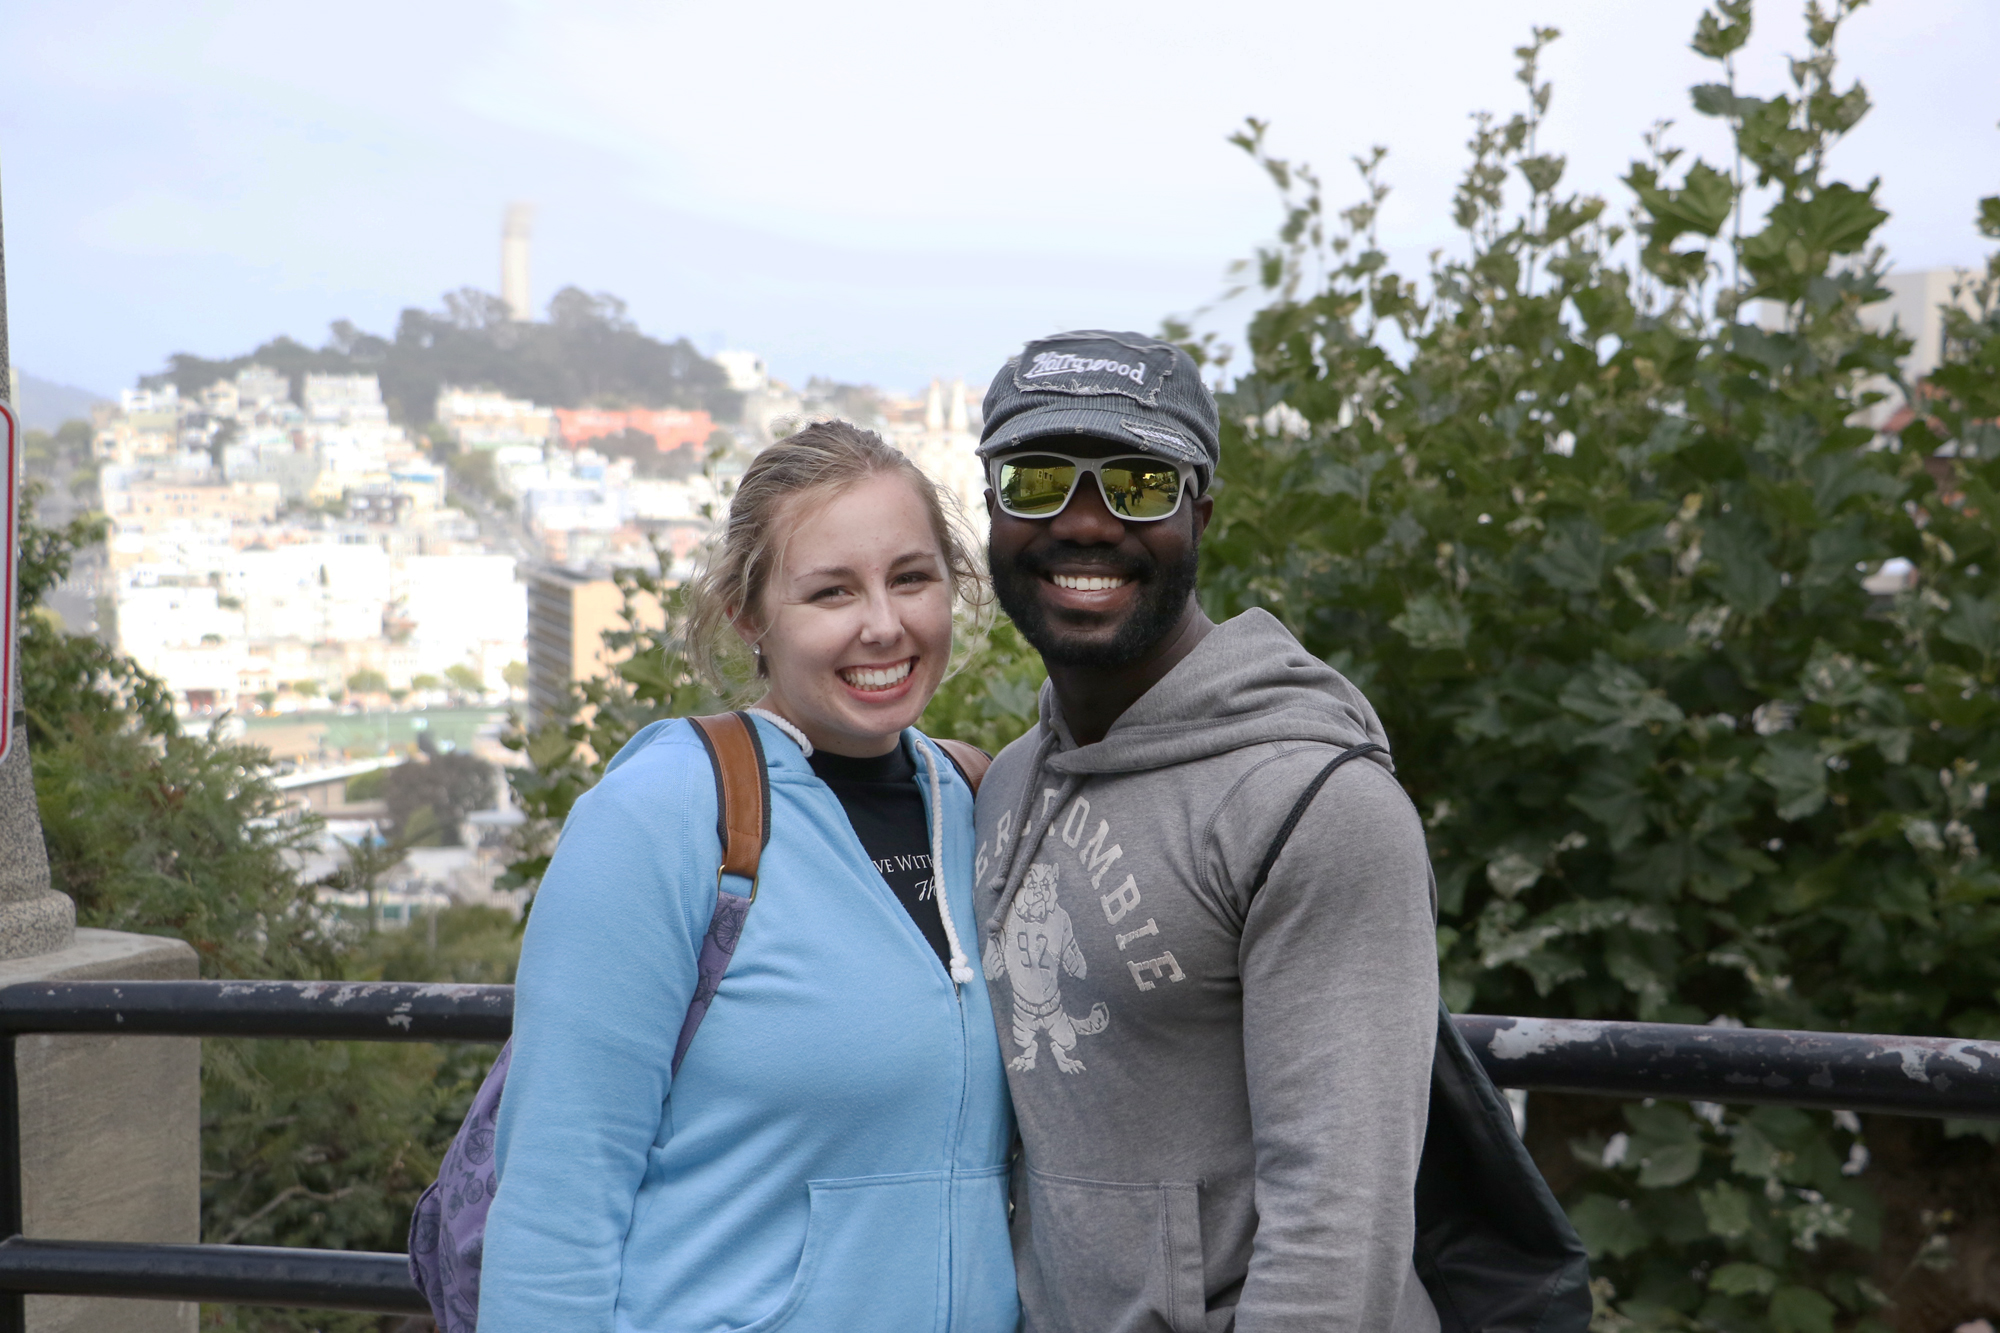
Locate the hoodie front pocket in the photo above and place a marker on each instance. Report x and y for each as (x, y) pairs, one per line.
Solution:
(1113, 1258)
(872, 1258)
(984, 1297)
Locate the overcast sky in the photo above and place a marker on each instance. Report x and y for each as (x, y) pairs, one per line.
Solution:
(876, 191)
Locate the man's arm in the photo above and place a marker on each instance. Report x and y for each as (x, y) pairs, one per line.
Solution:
(1339, 965)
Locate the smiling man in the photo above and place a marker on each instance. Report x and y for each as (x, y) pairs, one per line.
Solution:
(1219, 1019)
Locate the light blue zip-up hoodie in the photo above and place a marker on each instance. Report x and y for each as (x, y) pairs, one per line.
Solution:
(831, 1157)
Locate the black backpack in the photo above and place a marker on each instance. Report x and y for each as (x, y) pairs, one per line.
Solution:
(1494, 1249)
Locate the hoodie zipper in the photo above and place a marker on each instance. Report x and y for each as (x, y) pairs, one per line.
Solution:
(934, 795)
(956, 1136)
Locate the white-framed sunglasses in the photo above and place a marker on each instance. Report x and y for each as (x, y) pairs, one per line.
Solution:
(1038, 483)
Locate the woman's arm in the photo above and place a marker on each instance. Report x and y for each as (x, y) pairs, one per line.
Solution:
(607, 970)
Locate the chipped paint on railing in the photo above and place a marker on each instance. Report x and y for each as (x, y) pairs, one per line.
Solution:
(1901, 1075)
(1532, 1036)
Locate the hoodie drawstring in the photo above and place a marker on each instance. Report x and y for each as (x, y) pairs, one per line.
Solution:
(1025, 836)
(799, 737)
(961, 970)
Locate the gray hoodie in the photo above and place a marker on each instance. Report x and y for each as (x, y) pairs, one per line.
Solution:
(1221, 1098)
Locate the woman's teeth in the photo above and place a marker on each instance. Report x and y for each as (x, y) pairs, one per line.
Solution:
(877, 678)
(1088, 583)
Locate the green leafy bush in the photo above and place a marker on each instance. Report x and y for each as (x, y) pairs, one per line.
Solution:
(1594, 539)
(367, 786)
(992, 700)
(428, 799)
(328, 1144)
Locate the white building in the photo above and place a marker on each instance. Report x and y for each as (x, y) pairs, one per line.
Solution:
(279, 453)
(221, 399)
(574, 506)
(229, 593)
(206, 676)
(746, 370)
(166, 615)
(260, 389)
(317, 592)
(1916, 303)
(185, 636)
(663, 501)
(484, 419)
(420, 479)
(358, 451)
(164, 399)
(469, 610)
(345, 398)
(942, 442)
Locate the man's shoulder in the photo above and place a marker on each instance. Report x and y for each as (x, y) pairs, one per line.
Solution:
(1274, 778)
(1010, 766)
(1254, 808)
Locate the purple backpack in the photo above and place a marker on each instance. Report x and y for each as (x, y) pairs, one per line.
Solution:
(448, 1229)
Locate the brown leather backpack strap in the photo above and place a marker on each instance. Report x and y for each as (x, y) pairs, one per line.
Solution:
(742, 822)
(742, 790)
(970, 761)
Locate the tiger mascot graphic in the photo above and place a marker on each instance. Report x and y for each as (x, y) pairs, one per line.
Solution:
(1034, 949)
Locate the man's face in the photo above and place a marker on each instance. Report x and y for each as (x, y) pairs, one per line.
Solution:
(1087, 588)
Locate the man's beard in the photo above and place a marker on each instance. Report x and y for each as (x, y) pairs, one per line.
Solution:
(1162, 599)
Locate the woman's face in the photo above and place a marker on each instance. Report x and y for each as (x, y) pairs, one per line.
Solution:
(857, 620)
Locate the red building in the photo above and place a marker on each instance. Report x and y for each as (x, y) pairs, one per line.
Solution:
(670, 427)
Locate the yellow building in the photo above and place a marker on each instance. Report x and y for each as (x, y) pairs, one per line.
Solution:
(148, 506)
(568, 615)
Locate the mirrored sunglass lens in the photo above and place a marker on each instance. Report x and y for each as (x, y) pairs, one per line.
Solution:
(1035, 485)
(1140, 487)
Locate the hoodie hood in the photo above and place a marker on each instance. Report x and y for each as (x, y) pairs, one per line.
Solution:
(1247, 683)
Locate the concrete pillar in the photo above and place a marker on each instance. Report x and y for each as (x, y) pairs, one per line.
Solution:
(34, 919)
(110, 1125)
(110, 1130)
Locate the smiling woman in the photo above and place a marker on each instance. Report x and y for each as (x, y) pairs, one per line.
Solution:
(854, 630)
(838, 571)
(788, 1173)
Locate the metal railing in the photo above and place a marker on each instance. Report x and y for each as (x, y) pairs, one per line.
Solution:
(1926, 1076)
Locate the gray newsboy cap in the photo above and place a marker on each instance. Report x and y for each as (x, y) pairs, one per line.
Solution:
(1123, 387)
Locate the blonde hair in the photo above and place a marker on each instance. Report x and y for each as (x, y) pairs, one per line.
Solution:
(814, 464)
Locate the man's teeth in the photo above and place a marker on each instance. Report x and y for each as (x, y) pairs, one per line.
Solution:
(876, 678)
(1088, 583)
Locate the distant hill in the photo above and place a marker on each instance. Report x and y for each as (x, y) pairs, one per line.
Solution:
(588, 353)
(45, 405)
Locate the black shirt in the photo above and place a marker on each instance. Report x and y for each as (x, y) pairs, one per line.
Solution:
(886, 809)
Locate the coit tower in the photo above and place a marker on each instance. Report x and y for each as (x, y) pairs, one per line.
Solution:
(515, 231)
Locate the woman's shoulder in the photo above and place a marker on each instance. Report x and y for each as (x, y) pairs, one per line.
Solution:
(663, 758)
(641, 823)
